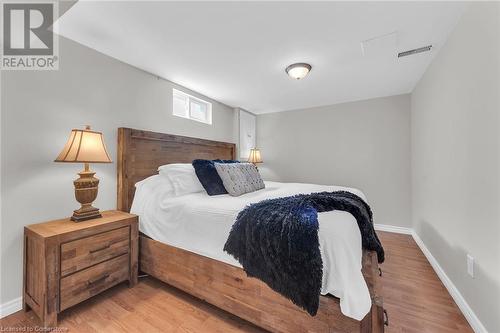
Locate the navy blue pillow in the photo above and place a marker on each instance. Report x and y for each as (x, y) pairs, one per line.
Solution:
(208, 176)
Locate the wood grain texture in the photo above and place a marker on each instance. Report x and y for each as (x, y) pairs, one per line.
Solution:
(82, 253)
(68, 230)
(134, 254)
(34, 273)
(140, 153)
(93, 280)
(229, 288)
(415, 299)
(84, 247)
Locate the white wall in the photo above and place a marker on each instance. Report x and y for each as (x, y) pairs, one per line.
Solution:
(38, 111)
(363, 144)
(455, 159)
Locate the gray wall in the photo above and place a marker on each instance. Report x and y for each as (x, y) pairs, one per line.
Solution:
(38, 111)
(455, 134)
(362, 144)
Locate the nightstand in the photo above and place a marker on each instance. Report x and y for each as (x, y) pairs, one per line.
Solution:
(66, 262)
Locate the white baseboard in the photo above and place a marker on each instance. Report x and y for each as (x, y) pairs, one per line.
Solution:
(471, 317)
(392, 228)
(10, 307)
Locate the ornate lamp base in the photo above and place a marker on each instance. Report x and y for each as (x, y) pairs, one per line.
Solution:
(86, 188)
(85, 213)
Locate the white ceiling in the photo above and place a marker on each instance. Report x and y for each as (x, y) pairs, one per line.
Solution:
(237, 52)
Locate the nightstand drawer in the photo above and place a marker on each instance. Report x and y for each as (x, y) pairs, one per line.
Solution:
(88, 251)
(91, 281)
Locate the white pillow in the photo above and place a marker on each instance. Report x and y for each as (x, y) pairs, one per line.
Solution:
(163, 169)
(148, 188)
(153, 182)
(183, 178)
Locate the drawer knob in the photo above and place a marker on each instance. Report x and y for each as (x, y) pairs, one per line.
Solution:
(99, 279)
(100, 249)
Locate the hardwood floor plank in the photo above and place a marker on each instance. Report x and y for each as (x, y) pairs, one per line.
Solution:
(414, 297)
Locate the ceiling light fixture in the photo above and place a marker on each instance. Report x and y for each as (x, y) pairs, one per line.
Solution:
(298, 70)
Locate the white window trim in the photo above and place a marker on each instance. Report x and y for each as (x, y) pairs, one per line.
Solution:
(191, 97)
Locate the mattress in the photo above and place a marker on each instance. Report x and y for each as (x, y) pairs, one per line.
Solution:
(200, 223)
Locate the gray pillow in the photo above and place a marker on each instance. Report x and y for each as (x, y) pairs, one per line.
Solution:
(239, 178)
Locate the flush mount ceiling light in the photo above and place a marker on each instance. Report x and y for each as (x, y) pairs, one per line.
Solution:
(298, 70)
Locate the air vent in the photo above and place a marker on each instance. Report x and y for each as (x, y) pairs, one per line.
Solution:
(415, 51)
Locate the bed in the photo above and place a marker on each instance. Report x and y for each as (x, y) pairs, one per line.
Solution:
(210, 275)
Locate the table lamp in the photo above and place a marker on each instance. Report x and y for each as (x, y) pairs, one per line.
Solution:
(85, 146)
(255, 156)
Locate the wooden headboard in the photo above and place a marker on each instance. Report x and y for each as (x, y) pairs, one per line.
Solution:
(140, 153)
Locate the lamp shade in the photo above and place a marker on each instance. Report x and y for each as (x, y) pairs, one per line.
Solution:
(84, 146)
(255, 156)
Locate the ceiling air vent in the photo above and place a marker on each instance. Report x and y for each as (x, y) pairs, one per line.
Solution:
(414, 51)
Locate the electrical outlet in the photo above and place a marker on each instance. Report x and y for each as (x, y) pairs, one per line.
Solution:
(470, 265)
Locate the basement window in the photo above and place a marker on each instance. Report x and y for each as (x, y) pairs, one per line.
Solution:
(190, 107)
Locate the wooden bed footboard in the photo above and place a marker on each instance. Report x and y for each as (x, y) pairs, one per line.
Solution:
(228, 287)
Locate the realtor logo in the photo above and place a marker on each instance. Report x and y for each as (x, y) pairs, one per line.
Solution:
(27, 37)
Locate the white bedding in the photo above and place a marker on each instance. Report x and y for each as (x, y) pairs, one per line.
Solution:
(201, 223)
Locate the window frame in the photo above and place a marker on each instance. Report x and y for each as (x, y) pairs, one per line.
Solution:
(196, 100)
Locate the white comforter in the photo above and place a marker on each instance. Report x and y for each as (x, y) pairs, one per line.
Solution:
(201, 223)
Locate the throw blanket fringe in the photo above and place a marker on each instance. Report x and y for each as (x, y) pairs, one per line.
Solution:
(276, 241)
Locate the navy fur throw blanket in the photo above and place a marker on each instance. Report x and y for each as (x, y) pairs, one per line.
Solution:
(276, 241)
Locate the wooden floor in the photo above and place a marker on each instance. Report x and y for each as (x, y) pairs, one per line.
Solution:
(415, 299)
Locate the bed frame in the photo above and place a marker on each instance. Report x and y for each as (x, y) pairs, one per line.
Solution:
(225, 286)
